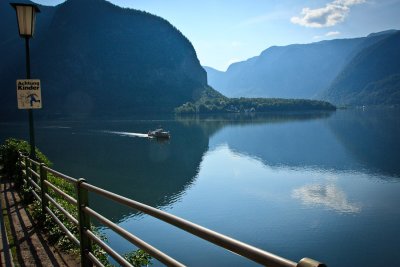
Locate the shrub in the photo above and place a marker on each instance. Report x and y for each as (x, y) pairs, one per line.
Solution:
(11, 167)
(9, 151)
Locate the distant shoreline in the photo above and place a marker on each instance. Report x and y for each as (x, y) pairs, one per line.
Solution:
(211, 103)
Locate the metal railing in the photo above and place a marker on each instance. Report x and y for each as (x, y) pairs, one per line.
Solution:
(38, 181)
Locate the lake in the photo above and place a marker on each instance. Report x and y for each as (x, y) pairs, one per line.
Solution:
(319, 185)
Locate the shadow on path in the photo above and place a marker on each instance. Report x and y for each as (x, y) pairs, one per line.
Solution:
(5, 254)
(31, 248)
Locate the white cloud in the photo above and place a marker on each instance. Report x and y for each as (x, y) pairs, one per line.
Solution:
(348, 2)
(332, 33)
(330, 15)
(329, 196)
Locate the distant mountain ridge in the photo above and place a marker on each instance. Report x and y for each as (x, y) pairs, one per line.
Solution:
(96, 58)
(372, 77)
(308, 70)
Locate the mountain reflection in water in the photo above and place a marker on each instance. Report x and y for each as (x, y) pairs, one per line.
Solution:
(297, 185)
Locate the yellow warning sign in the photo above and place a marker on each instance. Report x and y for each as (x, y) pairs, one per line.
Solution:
(29, 94)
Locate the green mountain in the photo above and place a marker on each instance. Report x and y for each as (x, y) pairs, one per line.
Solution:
(317, 70)
(372, 77)
(294, 71)
(95, 58)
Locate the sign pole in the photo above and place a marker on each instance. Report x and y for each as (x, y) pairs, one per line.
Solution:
(30, 111)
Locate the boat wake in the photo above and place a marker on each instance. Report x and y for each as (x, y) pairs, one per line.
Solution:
(142, 135)
(55, 127)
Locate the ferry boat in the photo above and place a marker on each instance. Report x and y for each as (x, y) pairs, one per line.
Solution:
(159, 133)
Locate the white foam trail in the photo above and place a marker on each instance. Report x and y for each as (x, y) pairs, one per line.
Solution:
(128, 134)
(56, 127)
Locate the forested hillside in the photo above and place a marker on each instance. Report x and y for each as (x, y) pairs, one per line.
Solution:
(372, 77)
(96, 58)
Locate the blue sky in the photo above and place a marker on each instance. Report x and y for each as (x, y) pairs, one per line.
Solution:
(227, 31)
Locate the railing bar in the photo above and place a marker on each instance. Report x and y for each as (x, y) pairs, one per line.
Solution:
(36, 196)
(235, 246)
(109, 250)
(61, 175)
(159, 255)
(62, 226)
(37, 175)
(58, 206)
(94, 260)
(33, 183)
(248, 251)
(34, 161)
(65, 195)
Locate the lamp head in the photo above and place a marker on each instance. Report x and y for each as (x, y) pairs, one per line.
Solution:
(26, 17)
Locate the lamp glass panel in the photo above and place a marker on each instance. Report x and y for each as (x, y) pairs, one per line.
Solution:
(25, 16)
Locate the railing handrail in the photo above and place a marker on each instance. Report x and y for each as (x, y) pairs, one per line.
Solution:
(162, 257)
(250, 252)
(233, 245)
(61, 175)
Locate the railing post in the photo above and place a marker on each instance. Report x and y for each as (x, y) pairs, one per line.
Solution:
(84, 223)
(43, 188)
(20, 169)
(26, 169)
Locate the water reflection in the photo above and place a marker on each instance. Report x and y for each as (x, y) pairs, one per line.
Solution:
(294, 184)
(212, 123)
(348, 140)
(327, 195)
(371, 137)
(294, 144)
(155, 173)
(112, 154)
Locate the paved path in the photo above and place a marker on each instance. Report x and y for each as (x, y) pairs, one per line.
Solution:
(5, 253)
(31, 248)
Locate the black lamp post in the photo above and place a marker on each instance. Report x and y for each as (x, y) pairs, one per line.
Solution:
(26, 17)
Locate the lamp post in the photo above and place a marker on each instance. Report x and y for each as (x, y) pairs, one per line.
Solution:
(26, 18)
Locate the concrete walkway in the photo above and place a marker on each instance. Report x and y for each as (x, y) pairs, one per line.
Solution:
(5, 252)
(31, 247)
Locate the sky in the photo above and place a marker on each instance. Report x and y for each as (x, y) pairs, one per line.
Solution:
(227, 31)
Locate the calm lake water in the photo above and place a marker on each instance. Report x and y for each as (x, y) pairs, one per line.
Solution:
(325, 186)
